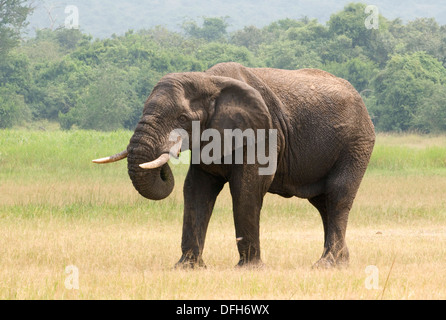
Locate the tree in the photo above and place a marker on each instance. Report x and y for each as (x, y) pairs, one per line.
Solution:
(350, 22)
(15, 78)
(294, 44)
(377, 44)
(289, 55)
(250, 37)
(13, 14)
(404, 85)
(63, 75)
(422, 34)
(213, 29)
(215, 52)
(358, 71)
(339, 49)
(13, 109)
(431, 114)
(105, 105)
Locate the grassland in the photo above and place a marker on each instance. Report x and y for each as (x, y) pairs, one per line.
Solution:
(58, 209)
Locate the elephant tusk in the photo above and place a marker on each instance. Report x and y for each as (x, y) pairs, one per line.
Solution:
(114, 158)
(164, 158)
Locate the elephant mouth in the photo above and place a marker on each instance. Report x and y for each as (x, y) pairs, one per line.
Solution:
(164, 174)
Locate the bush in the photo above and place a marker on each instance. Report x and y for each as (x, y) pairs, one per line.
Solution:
(431, 114)
(13, 110)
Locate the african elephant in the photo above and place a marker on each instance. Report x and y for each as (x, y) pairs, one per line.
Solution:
(324, 140)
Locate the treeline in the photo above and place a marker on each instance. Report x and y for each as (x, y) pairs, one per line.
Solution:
(66, 76)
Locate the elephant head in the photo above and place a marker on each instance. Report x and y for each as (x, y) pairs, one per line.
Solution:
(175, 103)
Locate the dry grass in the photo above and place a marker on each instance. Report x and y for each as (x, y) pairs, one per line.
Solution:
(119, 258)
(125, 247)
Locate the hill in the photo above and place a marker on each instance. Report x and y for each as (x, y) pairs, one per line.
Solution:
(104, 18)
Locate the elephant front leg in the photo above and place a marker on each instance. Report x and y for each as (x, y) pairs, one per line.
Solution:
(247, 192)
(200, 192)
(247, 227)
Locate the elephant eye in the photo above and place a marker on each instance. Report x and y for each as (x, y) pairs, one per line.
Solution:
(183, 119)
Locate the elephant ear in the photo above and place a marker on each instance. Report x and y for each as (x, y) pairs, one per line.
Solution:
(239, 114)
(238, 106)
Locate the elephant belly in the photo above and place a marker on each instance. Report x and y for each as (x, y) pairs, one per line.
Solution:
(290, 189)
(305, 176)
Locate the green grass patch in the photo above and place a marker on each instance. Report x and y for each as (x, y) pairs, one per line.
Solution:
(407, 159)
(34, 155)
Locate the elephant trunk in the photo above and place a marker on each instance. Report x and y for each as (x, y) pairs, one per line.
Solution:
(153, 184)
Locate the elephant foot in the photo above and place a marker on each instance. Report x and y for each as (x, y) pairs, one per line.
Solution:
(328, 261)
(251, 264)
(324, 264)
(188, 262)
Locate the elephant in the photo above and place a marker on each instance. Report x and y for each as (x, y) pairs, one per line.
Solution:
(324, 141)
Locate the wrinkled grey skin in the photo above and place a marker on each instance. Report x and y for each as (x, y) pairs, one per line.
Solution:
(325, 139)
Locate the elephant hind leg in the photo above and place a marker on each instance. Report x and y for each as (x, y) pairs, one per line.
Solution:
(335, 225)
(334, 207)
(335, 249)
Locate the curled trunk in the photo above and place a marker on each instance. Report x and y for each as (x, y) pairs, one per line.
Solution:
(153, 184)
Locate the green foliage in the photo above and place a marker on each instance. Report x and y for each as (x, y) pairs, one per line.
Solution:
(350, 22)
(65, 76)
(359, 72)
(13, 14)
(375, 44)
(14, 83)
(106, 105)
(289, 55)
(213, 29)
(13, 110)
(402, 88)
(423, 34)
(293, 44)
(15, 70)
(431, 114)
(214, 52)
(250, 37)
